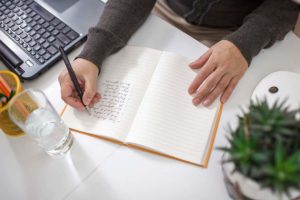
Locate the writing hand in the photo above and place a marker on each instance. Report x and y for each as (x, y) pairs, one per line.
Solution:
(220, 69)
(87, 74)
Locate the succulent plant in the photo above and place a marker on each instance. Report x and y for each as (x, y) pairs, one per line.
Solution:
(265, 146)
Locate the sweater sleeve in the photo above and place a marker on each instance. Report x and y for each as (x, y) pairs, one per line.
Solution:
(119, 20)
(260, 29)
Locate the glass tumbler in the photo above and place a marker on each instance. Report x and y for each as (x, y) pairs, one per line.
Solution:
(34, 114)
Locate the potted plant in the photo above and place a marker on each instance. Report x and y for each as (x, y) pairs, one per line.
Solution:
(262, 160)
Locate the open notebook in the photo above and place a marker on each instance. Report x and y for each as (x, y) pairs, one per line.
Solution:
(145, 104)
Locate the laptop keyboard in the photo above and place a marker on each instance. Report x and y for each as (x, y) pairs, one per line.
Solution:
(34, 29)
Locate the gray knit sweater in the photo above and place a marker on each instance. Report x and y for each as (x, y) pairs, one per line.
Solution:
(258, 28)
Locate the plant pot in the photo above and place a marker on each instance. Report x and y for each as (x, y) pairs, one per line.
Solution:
(240, 187)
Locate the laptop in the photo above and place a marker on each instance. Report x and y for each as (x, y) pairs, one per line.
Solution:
(32, 30)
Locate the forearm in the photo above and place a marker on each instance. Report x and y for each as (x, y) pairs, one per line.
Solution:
(120, 19)
(267, 24)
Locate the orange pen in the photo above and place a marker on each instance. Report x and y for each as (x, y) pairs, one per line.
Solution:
(4, 87)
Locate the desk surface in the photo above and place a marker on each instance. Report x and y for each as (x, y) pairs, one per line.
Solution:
(97, 169)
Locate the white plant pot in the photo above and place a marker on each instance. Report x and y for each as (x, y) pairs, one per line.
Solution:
(242, 188)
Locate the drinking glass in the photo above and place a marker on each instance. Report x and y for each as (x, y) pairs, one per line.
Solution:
(34, 114)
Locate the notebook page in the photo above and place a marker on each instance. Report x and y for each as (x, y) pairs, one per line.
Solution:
(122, 83)
(167, 121)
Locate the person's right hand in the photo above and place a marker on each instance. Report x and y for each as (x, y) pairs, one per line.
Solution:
(87, 74)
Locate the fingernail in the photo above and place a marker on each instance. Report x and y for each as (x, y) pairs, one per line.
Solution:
(191, 90)
(196, 101)
(206, 102)
(87, 100)
(223, 100)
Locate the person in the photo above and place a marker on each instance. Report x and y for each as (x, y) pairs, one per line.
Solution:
(250, 26)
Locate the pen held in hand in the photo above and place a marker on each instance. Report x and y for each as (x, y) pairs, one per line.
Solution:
(73, 77)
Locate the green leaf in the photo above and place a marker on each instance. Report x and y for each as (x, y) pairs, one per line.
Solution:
(265, 145)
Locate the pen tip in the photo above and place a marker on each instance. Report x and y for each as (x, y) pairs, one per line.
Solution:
(88, 110)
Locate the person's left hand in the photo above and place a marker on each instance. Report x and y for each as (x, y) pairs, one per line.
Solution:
(221, 67)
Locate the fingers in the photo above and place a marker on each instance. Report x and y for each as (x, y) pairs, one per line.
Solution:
(95, 100)
(89, 90)
(70, 97)
(217, 91)
(67, 94)
(74, 102)
(87, 78)
(207, 86)
(201, 61)
(201, 76)
(229, 89)
(221, 69)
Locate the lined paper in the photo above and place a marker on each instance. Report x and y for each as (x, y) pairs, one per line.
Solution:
(167, 121)
(146, 103)
(114, 96)
(123, 81)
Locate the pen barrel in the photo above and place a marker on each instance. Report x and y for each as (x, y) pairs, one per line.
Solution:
(72, 74)
(75, 82)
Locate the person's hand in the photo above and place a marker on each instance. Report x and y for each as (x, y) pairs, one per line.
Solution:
(220, 69)
(87, 74)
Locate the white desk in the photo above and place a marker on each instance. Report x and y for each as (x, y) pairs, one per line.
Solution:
(98, 169)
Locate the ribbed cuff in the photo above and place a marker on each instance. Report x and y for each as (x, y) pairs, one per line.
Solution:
(99, 45)
(237, 41)
(250, 40)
